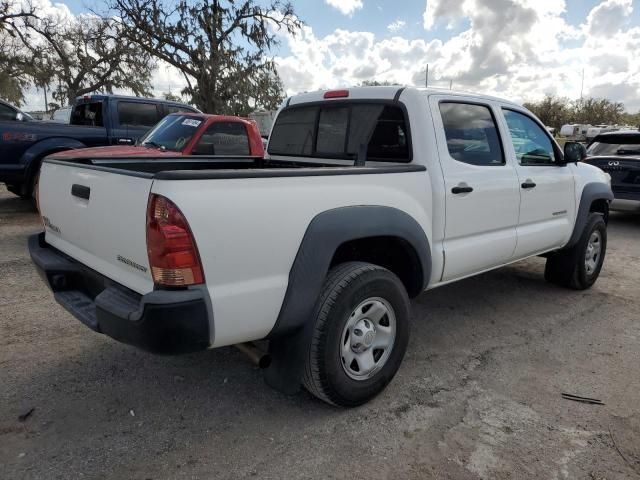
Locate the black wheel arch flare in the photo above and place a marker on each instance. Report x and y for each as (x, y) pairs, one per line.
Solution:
(325, 234)
(592, 192)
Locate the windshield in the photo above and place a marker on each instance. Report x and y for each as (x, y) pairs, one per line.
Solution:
(172, 133)
(615, 146)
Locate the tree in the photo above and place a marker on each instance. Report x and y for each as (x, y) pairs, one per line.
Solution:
(631, 119)
(552, 111)
(15, 67)
(597, 111)
(220, 46)
(12, 14)
(555, 112)
(85, 56)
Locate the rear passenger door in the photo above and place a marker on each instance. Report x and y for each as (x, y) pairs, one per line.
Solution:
(547, 205)
(481, 187)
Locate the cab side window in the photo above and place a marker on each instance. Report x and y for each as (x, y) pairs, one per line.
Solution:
(472, 134)
(137, 114)
(87, 114)
(531, 143)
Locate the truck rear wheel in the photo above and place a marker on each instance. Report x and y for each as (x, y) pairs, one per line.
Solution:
(360, 335)
(579, 266)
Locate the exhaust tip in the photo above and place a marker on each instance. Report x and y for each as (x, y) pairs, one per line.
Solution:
(258, 357)
(265, 361)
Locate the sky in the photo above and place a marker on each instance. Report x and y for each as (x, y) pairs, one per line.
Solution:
(516, 49)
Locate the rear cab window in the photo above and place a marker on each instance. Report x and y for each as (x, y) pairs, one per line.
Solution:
(338, 130)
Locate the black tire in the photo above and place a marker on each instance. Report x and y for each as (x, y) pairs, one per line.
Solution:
(15, 189)
(568, 268)
(28, 189)
(33, 190)
(346, 286)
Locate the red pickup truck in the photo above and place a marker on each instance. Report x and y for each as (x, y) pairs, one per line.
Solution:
(187, 134)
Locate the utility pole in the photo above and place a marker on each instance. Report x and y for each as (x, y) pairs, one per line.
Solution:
(582, 86)
(46, 103)
(451, 84)
(426, 79)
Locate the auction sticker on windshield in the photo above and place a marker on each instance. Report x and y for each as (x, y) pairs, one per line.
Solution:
(190, 122)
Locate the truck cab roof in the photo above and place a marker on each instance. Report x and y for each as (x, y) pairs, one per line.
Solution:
(96, 97)
(392, 92)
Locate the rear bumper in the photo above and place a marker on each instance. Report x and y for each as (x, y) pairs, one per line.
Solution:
(162, 321)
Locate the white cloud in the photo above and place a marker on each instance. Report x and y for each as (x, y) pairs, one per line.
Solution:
(517, 49)
(396, 26)
(609, 17)
(346, 7)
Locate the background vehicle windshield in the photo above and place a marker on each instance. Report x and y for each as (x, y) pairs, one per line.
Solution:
(615, 146)
(173, 132)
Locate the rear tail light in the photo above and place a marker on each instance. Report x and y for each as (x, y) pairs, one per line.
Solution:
(173, 255)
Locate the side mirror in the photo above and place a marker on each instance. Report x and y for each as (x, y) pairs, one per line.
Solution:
(574, 152)
(19, 117)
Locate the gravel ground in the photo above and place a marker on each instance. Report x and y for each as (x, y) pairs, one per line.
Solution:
(478, 395)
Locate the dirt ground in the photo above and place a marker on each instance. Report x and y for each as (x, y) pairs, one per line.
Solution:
(478, 395)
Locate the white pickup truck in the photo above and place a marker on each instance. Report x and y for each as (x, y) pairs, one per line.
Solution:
(367, 197)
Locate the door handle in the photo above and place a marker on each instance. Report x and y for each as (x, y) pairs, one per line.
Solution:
(462, 188)
(80, 191)
(125, 141)
(528, 184)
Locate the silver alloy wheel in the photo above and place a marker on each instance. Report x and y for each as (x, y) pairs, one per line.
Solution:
(592, 255)
(368, 338)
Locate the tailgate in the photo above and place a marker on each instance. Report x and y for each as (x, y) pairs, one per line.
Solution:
(98, 218)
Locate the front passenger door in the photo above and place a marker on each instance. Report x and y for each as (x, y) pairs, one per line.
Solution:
(547, 190)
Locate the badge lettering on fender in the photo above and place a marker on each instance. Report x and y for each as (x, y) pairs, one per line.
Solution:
(131, 263)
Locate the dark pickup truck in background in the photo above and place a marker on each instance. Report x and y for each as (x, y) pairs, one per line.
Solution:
(96, 120)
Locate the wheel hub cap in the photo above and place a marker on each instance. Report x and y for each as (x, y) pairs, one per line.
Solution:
(368, 338)
(363, 335)
(592, 253)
